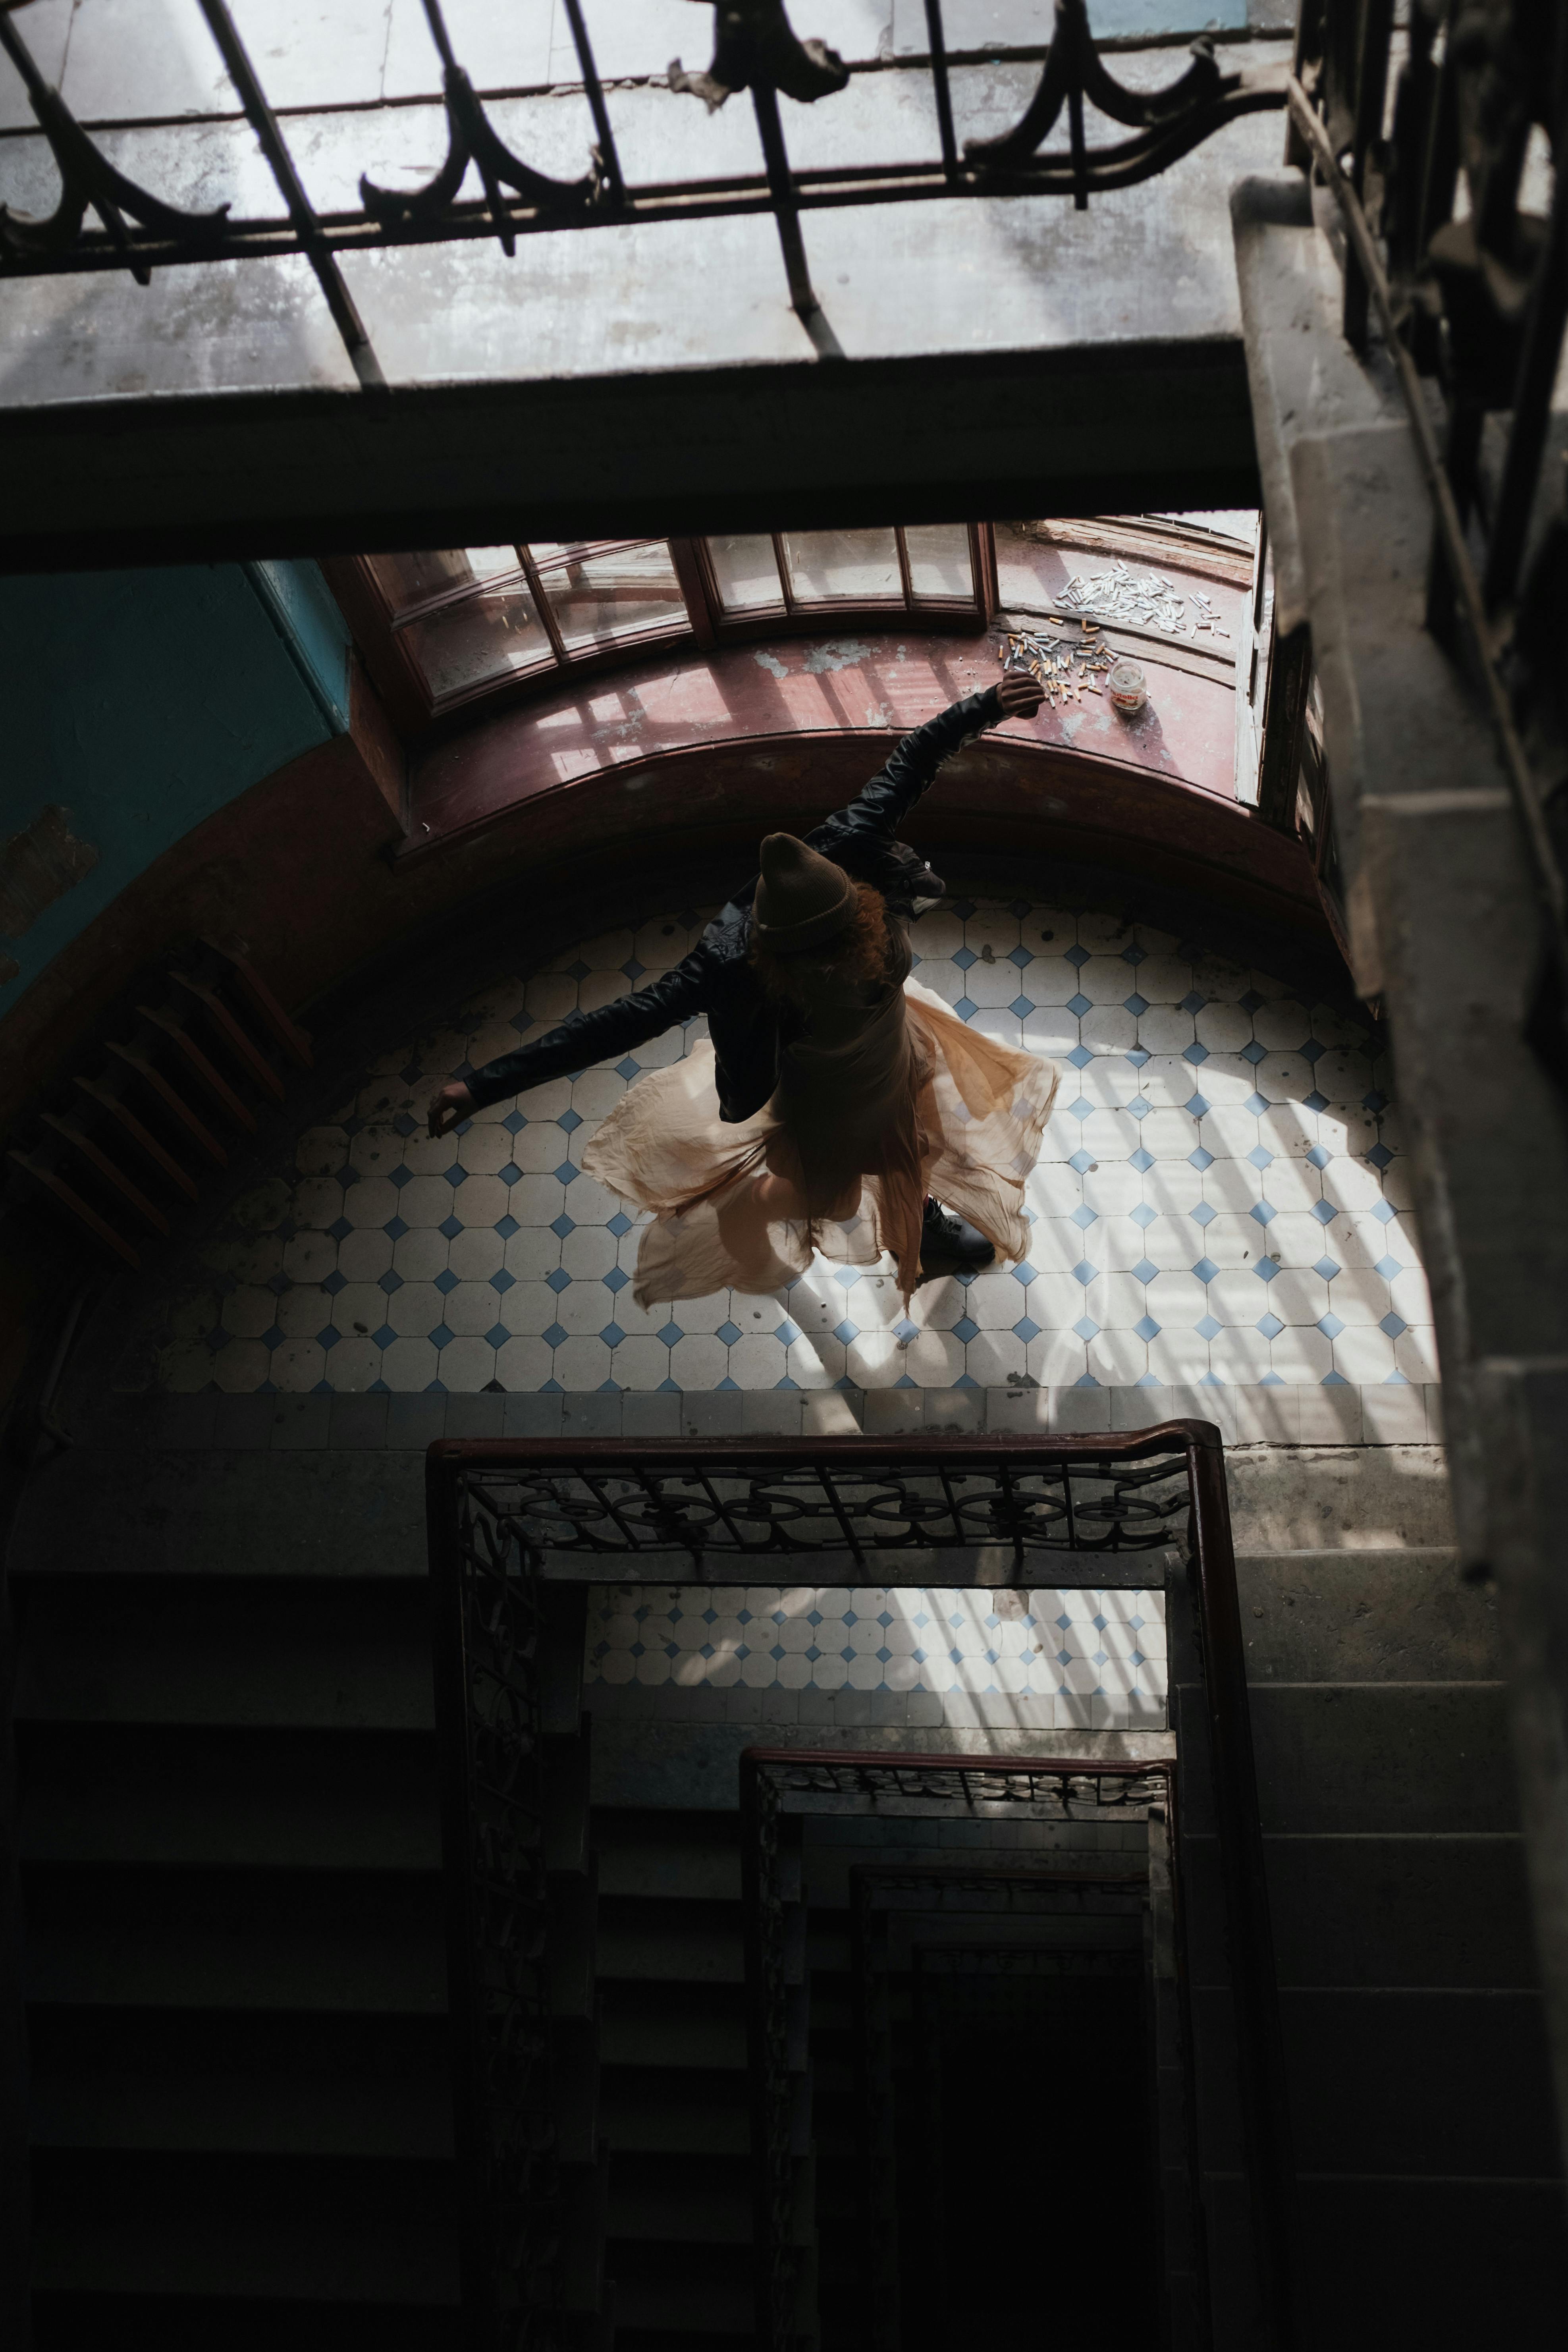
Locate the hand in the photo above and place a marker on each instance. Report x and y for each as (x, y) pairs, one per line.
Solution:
(449, 1107)
(1019, 694)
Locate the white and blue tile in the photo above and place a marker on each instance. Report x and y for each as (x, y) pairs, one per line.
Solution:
(1221, 1199)
(1082, 1659)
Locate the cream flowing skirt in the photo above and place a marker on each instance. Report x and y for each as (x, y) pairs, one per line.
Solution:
(964, 1121)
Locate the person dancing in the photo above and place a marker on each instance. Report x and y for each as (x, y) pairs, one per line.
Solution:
(837, 1104)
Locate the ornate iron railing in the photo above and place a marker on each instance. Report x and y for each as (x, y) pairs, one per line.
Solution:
(1470, 289)
(979, 1510)
(606, 1510)
(487, 1636)
(1024, 1886)
(755, 48)
(777, 1784)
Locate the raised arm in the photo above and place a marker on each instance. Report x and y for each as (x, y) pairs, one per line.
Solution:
(911, 769)
(580, 1040)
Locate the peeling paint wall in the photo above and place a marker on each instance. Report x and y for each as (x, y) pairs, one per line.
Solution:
(137, 703)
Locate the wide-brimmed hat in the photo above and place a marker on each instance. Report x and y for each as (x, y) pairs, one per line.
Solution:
(803, 898)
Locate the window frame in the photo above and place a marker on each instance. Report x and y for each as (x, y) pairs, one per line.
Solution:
(382, 635)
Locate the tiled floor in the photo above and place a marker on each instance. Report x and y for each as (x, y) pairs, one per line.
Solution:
(1062, 1659)
(1220, 1201)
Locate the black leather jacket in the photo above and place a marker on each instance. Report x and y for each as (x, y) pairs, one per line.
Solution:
(717, 978)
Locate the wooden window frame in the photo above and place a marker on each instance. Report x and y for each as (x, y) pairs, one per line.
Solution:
(381, 636)
(790, 617)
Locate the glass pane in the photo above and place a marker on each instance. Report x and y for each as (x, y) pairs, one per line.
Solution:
(938, 560)
(746, 573)
(487, 637)
(1030, 570)
(600, 600)
(406, 580)
(836, 566)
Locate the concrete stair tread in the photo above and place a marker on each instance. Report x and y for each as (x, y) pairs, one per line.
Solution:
(240, 2081)
(664, 1937)
(235, 1938)
(699, 2201)
(680, 2112)
(86, 2320)
(242, 2113)
(228, 1514)
(321, 2229)
(276, 1651)
(686, 2308)
(709, 2043)
(664, 1872)
(255, 1797)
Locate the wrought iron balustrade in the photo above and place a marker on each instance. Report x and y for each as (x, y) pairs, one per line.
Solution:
(506, 1519)
(756, 49)
(488, 1634)
(777, 1789)
(603, 1510)
(1430, 135)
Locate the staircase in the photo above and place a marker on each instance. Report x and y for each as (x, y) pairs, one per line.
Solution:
(675, 2100)
(236, 1995)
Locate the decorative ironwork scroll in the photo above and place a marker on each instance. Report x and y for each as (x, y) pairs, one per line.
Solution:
(775, 1785)
(753, 41)
(727, 1508)
(473, 138)
(755, 48)
(1170, 121)
(1470, 288)
(504, 1513)
(90, 180)
(489, 1629)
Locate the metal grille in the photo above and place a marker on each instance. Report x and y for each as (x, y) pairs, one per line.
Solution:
(504, 1515)
(730, 1509)
(1031, 1789)
(777, 1784)
(488, 1630)
(1426, 152)
(105, 221)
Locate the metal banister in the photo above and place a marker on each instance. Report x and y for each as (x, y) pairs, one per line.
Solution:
(506, 1517)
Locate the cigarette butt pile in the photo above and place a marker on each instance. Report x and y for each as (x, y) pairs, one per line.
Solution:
(1069, 668)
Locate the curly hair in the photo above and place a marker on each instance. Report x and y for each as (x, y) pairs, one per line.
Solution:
(862, 952)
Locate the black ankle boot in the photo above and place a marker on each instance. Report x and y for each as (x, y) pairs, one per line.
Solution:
(950, 1245)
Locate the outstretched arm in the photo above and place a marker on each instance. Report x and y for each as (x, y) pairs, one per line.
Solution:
(912, 768)
(581, 1039)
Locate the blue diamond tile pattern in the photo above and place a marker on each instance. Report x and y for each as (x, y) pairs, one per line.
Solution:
(400, 1265)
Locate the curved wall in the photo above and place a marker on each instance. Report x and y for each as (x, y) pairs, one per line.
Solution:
(668, 765)
(140, 703)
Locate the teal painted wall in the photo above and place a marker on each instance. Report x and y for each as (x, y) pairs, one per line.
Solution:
(144, 701)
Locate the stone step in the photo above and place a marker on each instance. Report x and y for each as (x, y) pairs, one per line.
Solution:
(1386, 1614)
(352, 1654)
(297, 1513)
(665, 2295)
(670, 1937)
(211, 1939)
(240, 2083)
(668, 1854)
(261, 1796)
(1374, 1758)
(675, 2112)
(1378, 1911)
(1410, 2080)
(65, 2321)
(701, 2201)
(671, 2024)
(307, 2228)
